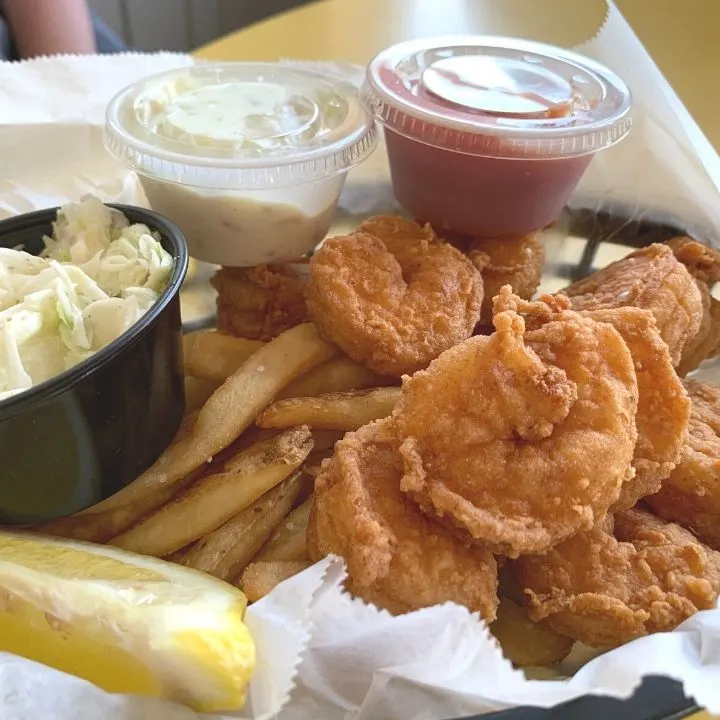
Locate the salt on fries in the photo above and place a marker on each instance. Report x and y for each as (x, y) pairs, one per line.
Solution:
(227, 551)
(346, 411)
(216, 497)
(231, 409)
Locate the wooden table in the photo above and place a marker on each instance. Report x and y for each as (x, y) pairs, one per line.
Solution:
(681, 37)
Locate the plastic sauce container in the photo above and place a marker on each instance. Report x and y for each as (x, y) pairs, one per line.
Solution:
(248, 159)
(488, 136)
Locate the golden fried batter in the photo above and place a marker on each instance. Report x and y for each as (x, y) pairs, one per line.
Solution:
(703, 263)
(663, 405)
(706, 344)
(519, 440)
(396, 557)
(605, 590)
(691, 495)
(650, 278)
(517, 262)
(259, 303)
(396, 304)
(392, 229)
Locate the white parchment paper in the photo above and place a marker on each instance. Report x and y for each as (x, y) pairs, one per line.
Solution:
(322, 654)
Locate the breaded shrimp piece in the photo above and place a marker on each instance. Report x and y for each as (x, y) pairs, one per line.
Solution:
(393, 305)
(691, 495)
(517, 262)
(605, 590)
(706, 344)
(521, 439)
(663, 405)
(650, 278)
(393, 229)
(703, 263)
(261, 302)
(396, 557)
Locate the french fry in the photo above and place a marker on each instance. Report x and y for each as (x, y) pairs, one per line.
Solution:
(179, 555)
(288, 540)
(186, 426)
(212, 355)
(336, 411)
(337, 375)
(226, 551)
(215, 498)
(197, 392)
(231, 409)
(250, 437)
(261, 578)
(525, 643)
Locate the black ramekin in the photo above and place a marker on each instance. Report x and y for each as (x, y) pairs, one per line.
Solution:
(77, 438)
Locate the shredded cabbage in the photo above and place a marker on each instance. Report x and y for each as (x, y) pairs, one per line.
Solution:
(97, 277)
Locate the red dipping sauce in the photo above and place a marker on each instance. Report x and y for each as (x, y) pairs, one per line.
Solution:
(489, 136)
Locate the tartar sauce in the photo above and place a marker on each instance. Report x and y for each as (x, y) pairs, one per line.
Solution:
(249, 159)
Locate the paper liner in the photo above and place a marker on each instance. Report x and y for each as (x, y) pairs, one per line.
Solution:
(356, 662)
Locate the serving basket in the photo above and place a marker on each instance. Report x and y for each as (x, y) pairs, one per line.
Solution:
(579, 243)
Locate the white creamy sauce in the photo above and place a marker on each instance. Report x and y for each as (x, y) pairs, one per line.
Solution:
(237, 119)
(238, 114)
(229, 228)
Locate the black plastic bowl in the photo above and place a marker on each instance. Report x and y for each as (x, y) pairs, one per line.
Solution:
(79, 437)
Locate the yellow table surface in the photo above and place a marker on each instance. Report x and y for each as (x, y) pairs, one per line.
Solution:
(681, 37)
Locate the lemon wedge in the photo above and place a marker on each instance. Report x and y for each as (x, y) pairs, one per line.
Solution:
(128, 623)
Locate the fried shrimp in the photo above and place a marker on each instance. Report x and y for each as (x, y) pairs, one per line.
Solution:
(393, 305)
(606, 589)
(534, 435)
(703, 263)
(393, 229)
(261, 302)
(396, 557)
(653, 279)
(663, 405)
(517, 262)
(706, 344)
(691, 495)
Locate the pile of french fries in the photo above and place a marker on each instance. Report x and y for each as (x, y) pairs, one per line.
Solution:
(232, 494)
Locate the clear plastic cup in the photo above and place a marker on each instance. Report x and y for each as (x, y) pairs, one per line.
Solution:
(488, 136)
(248, 159)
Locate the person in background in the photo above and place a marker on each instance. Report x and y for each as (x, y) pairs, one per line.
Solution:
(49, 27)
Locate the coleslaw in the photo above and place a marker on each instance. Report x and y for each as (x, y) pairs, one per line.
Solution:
(97, 276)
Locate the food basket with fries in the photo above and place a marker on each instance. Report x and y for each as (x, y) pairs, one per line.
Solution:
(459, 460)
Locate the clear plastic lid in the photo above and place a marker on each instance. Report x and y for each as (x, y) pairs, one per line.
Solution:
(240, 125)
(497, 96)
